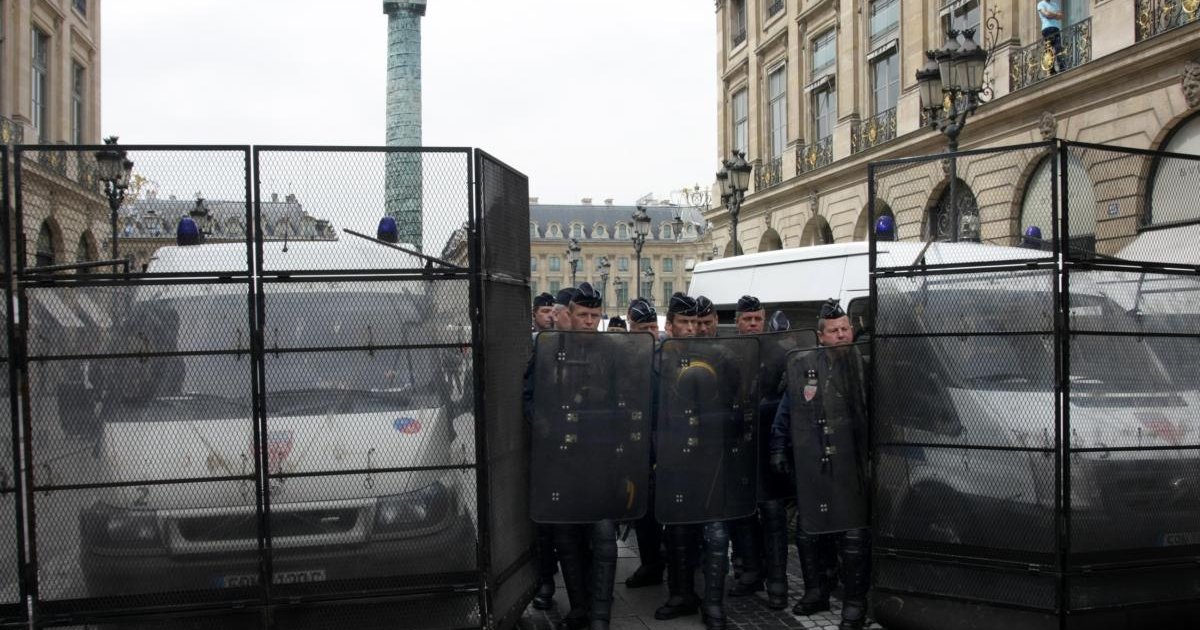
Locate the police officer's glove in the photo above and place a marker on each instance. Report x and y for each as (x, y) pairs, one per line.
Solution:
(779, 463)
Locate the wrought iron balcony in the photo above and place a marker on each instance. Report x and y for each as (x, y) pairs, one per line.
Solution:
(774, 7)
(813, 156)
(873, 131)
(739, 36)
(1159, 16)
(1039, 60)
(769, 173)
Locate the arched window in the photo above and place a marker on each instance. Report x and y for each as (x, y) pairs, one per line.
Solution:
(944, 220)
(770, 241)
(666, 232)
(816, 232)
(1173, 191)
(864, 224)
(554, 231)
(1036, 206)
(622, 232)
(577, 231)
(46, 252)
(599, 231)
(86, 250)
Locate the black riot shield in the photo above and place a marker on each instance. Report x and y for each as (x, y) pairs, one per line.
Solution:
(590, 450)
(772, 352)
(707, 430)
(826, 389)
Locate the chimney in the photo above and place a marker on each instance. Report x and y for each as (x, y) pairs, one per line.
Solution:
(290, 198)
(274, 197)
(608, 202)
(533, 201)
(587, 201)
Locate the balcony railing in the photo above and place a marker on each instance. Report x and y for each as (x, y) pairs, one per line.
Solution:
(813, 156)
(769, 173)
(1159, 16)
(1039, 60)
(873, 131)
(774, 7)
(739, 36)
(11, 132)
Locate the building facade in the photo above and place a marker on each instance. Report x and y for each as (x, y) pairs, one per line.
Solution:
(814, 90)
(677, 241)
(50, 94)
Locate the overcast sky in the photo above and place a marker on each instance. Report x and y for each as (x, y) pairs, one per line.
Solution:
(590, 98)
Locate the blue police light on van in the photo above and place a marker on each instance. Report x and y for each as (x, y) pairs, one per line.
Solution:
(387, 231)
(1032, 238)
(885, 228)
(188, 233)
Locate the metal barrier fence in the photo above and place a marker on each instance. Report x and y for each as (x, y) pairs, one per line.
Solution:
(1036, 418)
(284, 426)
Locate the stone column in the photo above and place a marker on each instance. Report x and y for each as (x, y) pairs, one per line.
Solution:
(402, 186)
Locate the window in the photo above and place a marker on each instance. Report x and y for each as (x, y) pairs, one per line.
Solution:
(577, 231)
(554, 232)
(666, 232)
(599, 231)
(885, 17)
(885, 73)
(737, 22)
(555, 285)
(777, 110)
(533, 230)
(962, 15)
(41, 85)
(80, 6)
(622, 231)
(555, 263)
(622, 295)
(78, 76)
(533, 287)
(533, 263)
(668, 289)
(824, 112)
(668, 264)
(741, 121)
(824, 53)
(623, 263)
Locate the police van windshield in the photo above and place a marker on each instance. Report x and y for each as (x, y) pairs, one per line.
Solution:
(323, 353)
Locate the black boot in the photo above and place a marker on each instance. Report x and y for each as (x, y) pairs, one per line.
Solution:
(680, 578)
(570, 546)
(716, 565)
(816, 589)
(649, 541)
(774, 517)
(742, 535)
(856, 578)
(547, 565)
(604, 573)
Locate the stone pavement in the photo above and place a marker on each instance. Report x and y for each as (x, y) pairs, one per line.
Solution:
(633, 609)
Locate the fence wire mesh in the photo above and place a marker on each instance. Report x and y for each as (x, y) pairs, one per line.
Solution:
(283, 419)
(1036, 426)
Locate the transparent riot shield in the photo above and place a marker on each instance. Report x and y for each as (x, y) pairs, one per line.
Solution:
(773, 351)
(828, 409)
(707, 430)
(590, 450)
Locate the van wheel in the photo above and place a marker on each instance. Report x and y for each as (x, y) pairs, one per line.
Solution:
(944, 516)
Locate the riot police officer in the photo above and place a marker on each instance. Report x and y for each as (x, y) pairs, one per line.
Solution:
(543, 312)
(644, 318)
(711, 538)
(822, 417)
(706, 317)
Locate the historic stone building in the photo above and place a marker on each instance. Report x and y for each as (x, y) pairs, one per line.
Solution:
(50, 94)
(813, 90)
(677, 241)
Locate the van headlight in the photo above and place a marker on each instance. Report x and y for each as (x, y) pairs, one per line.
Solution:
(414, 511)
(108, 526)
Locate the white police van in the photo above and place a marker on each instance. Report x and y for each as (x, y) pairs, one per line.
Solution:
(187, 416)
(998, 390)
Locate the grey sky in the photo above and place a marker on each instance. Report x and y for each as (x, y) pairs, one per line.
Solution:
(590, 98)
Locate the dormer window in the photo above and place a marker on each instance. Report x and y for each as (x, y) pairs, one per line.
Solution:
(622, 231)
(599, 231)
(665, 232)
(554, 231)
(577, 231)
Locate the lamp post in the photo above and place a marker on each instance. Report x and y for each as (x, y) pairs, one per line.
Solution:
(950, 83)
(648, 277)
(734, 178)
(603, 266)
(114, 169)
(641, 229)
(573, 258)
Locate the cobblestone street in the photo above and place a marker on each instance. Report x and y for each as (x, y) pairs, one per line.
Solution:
(633, 609)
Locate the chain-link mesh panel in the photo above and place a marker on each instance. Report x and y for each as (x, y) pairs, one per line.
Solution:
(501, 246)
(981, 584)
(11, 588)
(416, 199)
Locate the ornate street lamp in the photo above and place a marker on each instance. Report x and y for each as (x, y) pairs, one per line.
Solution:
(573, 258)
(950, 84)
(734, 178)
(648, 278)
(114, 168)
(603, 266)
(641, 229)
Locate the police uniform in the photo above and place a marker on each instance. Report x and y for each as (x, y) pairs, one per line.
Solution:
(547, 561)
(822, 418)
(649, 531)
